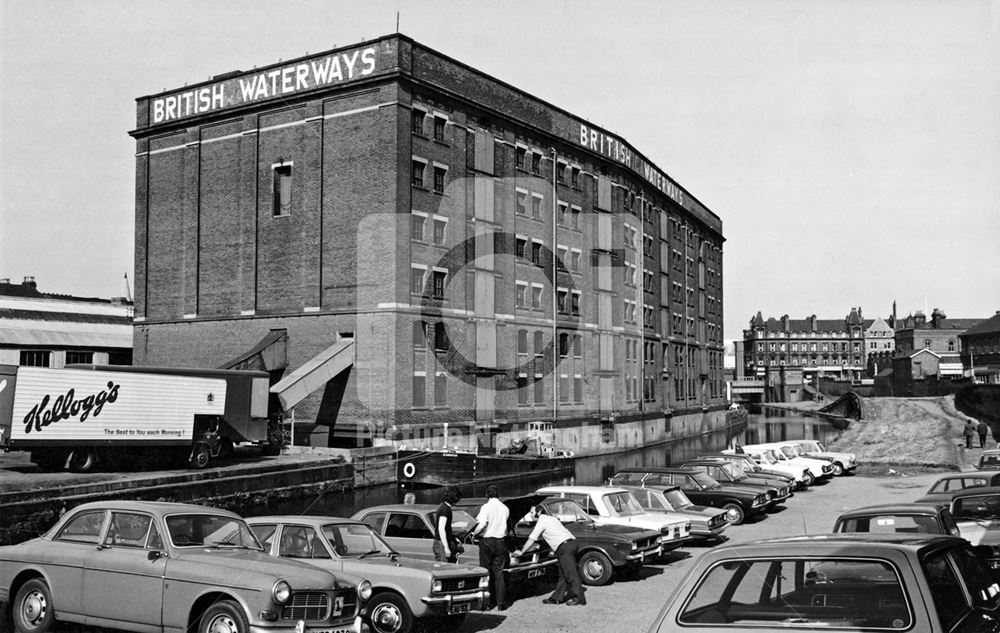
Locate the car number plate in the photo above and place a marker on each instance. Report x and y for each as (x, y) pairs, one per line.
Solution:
(347, 630)
(535, 573)
(461, 607)
(995, 564)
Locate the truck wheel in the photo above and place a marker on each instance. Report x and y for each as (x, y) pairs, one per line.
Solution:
(82, 460)
(32, 611)
(388, 613)
(224, 616)
(734, 513)
(595, 569)
(201, 455)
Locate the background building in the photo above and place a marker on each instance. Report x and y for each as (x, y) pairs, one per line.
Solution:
(981, 351)
(407, 243)
(927, 349)
(53, 330)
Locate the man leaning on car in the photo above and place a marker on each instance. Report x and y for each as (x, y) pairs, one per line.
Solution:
(492, 521)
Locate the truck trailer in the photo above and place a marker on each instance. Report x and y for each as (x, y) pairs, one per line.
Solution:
(84, 415)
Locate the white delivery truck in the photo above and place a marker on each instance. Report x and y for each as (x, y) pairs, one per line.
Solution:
(83, 415)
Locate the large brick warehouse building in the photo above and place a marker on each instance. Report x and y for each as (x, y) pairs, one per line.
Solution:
(380, 226)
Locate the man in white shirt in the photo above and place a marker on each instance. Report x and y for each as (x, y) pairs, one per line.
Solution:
(492, 521)
(569, 589)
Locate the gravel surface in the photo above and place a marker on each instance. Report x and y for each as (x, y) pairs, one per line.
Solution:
(633, 605)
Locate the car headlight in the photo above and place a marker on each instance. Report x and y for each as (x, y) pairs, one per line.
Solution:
(281, 592)
(364, 590)
(438, 586)
(484, 582)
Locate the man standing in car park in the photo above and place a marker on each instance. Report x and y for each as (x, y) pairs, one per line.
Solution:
(493, 520)
(569, 589)
(446, 546)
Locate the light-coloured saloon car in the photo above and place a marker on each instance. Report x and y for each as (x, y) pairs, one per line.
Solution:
(616, 506)
(405, 591)
(707, 524)
(144, 566)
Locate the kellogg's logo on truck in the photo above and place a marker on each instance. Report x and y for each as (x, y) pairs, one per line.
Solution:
(68, 406)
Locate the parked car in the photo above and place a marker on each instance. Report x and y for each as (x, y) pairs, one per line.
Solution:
(725, 473)
(919, 518)
(604, 549)
(707, 524)
(145, 566)
(843, 463)
(989, 459)
(408, 528)
(617, 506)
(821, 469)
(405, 591)
(977, 512)
(739, 502)
(748, 465)
(767, 458)
(852, 582)
(942, 490)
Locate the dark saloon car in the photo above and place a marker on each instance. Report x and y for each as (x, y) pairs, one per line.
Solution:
(753, 469)
(912, 518)
(153, 566)
(942, 490)
(916, 583)
(604, 549)
(726, 473)
(739, 502)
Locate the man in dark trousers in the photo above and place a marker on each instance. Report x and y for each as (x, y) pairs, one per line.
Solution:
(569, 589)
(982, 429)
(446, 546)
(969, 432)
(492, 521)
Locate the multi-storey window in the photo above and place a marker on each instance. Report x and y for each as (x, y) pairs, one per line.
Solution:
(539, 344)
(578, 389)
(575, 258)
(522, 202)
(439, 283)
(419, 390)
(536, 252)
(440, 389)
(575, 306)
(282, 193)
(536, 162)
(439, 176)
(536, 206)
(520, 154)
(417, 227)
(419, 335)
(536, 296)
(564, 389)
(522, 389)
(561, 173)
(577, 346)
(563, 213)
(417, 167)
(575, 177)
(575, 213)
(563, 345)
(417, 121)
(539, 390)
(439, 123)
(562, 296)
(522, 345)
(439, 230)
(521, 296)
(417, 280)
(521, 243)
(440, 337)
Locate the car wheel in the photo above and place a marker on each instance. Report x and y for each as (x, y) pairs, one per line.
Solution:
(224, 616)
(734, 513)
(388, 613)
(809, 479)
(838, 469)
(33, 612)
(595, 569)
(201, 455)
(82, 460)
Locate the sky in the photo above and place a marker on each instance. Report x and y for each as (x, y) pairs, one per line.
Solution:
(851, 148)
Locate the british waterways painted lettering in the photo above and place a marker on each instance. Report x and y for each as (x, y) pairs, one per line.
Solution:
(68, 406)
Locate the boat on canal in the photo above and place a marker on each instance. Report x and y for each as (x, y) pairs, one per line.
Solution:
(456, 467)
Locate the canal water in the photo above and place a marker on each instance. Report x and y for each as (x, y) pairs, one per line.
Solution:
(595, 469)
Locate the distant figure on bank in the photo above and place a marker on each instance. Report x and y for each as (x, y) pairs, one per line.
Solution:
(446, 546)
(409, 499)
(982, 429)
(969, 433)
(493, 520)
(569, 589)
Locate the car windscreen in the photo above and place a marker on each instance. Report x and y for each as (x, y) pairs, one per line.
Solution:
(210, 530)
(799, 593)
(976, 508)
(622, 504)
(788, 451)
(704, 480)
(566, 510)
(677, 499)
(891, 524)
(461, 522)
(354, 540)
